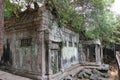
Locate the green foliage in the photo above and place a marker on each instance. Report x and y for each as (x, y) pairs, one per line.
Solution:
(116, 32)
(97, 23)
(102, 22)
(99, 4)
(31, 1)
(11, 9)
(8, 10)
(67, 13)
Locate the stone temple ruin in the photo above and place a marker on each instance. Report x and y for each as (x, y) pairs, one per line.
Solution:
(36, 46)
(92, 52)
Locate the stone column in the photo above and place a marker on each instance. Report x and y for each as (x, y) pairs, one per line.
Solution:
(41, 36)
(101, 52)
(88, 55)
(49, 58)
(62, 66)
(44, 27)
(1, 26)
(48, 53)
(41, 52)
(98, 56)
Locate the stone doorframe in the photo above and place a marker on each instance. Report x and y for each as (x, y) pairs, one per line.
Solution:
(56, 48)
(98, 52)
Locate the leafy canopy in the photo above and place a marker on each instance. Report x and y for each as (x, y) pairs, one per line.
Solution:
(11, 9)
(67, 13)
(93, 17)
(101, 20)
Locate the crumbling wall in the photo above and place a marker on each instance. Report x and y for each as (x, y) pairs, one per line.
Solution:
(40, 46)
(91, 52)
(57, 41)
(23, 37)
(24, 48)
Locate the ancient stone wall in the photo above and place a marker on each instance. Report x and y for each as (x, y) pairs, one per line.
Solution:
(24, 42)
(40, 46)
(61, 46)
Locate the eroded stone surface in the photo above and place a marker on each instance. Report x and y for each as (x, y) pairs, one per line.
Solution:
(93, 74)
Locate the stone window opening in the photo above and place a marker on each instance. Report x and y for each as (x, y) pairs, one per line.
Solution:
(75, 44)
(26, 42)
(65, 43)
(70, 44)
(55, 57)
(90, 53)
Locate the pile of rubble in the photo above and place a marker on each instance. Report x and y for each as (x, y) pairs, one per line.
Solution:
(93, 74)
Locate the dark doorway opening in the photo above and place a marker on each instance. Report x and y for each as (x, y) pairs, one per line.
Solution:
(6, 58)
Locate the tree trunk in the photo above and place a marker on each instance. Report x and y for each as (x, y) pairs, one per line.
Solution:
(1, 26)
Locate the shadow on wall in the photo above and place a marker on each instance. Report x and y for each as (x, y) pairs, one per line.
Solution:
(109, 57)
(7, 56)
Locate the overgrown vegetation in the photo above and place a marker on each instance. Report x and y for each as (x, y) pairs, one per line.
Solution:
(102, 20)
(11, 9)
(67, 13)
(92, 17)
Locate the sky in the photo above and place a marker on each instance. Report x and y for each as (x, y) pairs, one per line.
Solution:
(116, 7)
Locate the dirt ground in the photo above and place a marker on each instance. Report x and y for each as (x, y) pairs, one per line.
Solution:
(114, 74)
(9, 76)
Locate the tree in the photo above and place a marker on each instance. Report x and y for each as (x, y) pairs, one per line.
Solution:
(66, 13)
(92, 17)
(116, 31)
(11, 9)
(1, 26)
(100, 21)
